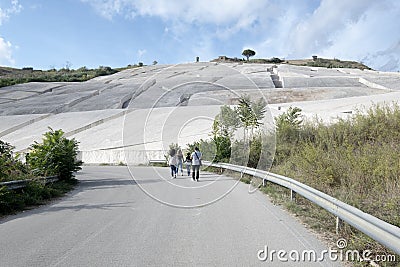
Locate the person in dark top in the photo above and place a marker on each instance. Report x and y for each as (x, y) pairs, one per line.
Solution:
(188, 161)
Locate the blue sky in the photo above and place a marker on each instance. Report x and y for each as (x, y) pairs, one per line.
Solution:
(49, 33)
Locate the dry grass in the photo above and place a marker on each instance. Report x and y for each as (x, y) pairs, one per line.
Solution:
(356, 161)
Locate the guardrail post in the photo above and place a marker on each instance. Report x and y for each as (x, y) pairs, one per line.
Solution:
(339, 225)
(292, 195)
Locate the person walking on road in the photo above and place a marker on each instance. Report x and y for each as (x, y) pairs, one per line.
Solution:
(188, 161)
(173, 161)
(180, 162)
(196, 163)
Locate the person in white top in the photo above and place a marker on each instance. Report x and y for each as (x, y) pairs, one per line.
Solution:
(196, 163)
(179, 156)
(173, 161)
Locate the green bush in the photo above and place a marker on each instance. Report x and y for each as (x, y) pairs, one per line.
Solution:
(335, 63)
(206, 147)
(10, 167)
(56, 155)
(222, 148)
(34, 194)
(287, 133)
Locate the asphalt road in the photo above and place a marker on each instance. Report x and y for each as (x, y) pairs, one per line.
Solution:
(111, 219)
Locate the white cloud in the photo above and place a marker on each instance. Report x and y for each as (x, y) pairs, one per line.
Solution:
(206, 11)
(386, 60)
(362, 30)
(6, 53)
(106, 8)
(357, 30)
(325, 25)
(5, 13)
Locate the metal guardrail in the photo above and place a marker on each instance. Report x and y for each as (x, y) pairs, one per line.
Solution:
(381, 231)
(12, 185)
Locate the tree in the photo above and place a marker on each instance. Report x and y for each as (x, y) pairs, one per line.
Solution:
(226, 122)
(250, 113)
(248, 53)
(288, 125)
(245, 113)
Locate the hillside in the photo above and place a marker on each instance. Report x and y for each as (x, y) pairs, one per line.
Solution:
(313, 62)
(328, 63)
(11, 76)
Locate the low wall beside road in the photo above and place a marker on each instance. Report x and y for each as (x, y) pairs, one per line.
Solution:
(118, 156)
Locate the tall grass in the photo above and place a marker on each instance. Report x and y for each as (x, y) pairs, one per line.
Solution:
(355, 160)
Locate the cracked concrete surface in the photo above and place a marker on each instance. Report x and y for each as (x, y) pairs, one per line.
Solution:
(180, 100)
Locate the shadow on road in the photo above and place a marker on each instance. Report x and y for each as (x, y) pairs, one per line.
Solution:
(101, 206)
(92, 181)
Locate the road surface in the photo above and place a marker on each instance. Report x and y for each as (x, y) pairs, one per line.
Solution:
(111, 219)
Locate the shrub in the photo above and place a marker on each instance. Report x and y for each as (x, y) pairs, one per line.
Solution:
(35, 193)
(56, 155)
(223, 148)
(206, 147)
(287, 132)
(10, 167)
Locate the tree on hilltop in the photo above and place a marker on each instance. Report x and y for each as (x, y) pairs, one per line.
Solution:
(248, 53)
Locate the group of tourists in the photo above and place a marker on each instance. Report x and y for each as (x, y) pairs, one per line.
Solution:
(192, 162)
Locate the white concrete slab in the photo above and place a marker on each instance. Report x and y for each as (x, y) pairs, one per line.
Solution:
(5, 100)
(281, 95)
(38, 87)
(8, 122)
(45, 103)
(296, 82)
(16, 95)
(331, 109)
(107, 135)
(24, 137)
(150, 129)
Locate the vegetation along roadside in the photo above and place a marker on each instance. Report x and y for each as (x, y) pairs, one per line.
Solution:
(355, 160)
(55, 156)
